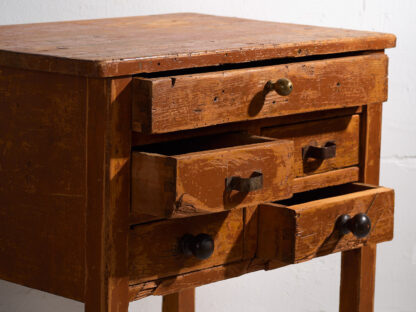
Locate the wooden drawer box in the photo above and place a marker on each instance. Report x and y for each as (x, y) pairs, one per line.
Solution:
(173, 102)
(321, 145)
(309, 224)
(155, 247)
(210, 174)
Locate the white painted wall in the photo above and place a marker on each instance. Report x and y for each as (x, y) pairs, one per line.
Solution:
(311, 286)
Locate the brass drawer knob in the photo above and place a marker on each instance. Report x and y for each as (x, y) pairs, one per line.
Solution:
(200, 246)
(359, 225)
(283, 86)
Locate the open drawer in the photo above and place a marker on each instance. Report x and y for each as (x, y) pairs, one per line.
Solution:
(325, 221)
(210, 174)
(167, 102)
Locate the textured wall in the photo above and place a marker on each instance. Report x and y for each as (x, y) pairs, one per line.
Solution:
(311, 286)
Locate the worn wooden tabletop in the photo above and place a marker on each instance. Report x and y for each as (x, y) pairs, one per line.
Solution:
(125, 46)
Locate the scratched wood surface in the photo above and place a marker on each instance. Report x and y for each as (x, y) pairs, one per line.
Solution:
(125, 46)
(358, 267)
(177, 283)
(108, 176)
(154, 251)
(344, 131)
(194, 182)
(304, 228)
(178, 102)
(42, 181)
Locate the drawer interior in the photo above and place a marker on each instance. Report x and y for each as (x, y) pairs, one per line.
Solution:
(324, 193)
(201, 144)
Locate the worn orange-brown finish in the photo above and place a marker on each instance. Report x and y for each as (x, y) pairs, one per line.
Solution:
(97, 185)
(108, 160)
(330, 178)
(126, 46)
(154, 250)
(189, 177)
(178, 102)
(304, 228)
(358, 267)
(183, 301)
(252, 126)
(42, 180)
(343, 131)
(177, 283)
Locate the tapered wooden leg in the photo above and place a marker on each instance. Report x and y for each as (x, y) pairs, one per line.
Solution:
(183, 301)
(358, 268)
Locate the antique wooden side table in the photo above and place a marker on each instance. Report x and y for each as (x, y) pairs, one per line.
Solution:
(150, 155)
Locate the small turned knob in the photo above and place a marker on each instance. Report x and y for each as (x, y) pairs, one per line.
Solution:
(359, 225)
(283, 86)
(200, 246)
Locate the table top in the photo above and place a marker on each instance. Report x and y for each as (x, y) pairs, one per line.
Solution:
(131, 45)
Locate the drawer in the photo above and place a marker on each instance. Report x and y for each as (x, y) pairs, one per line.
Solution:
(325, 221)
(210, 174)
(321, 145)
(173, 102)
(155, 249)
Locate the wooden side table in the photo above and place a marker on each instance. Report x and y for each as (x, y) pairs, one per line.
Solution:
(150, 155)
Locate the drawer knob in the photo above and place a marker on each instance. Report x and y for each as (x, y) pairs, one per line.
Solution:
(359, 225)
(283, 86)
(245, 185)
(329, 150)
(200, 246)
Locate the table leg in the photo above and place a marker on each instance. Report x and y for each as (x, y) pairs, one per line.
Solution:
(183, 301)
(358, 268)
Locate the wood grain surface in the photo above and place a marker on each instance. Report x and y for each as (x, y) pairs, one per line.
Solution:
(358, 267)
(108, 178)
(190, 101)
(42, 181)
(125, 46)
(154, 251)
(306, 229)
(344, 131)
(194, 182)
(183, 301)
(177, 283)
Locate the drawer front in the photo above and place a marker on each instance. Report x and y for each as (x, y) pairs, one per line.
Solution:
(322, 145)
(172, 103)
(309, 224)
(155, 247)
(212, 180)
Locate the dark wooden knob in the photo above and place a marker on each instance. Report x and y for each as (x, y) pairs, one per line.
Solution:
(200, 246)
(359, 225)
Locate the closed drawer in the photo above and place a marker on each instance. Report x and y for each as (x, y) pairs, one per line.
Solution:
(177, 102)
(325, 221)
(155, 248)
(210, 174)
(321, 145)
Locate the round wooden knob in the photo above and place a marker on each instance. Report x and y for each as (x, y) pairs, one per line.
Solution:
(200, 246)
(359, 225)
